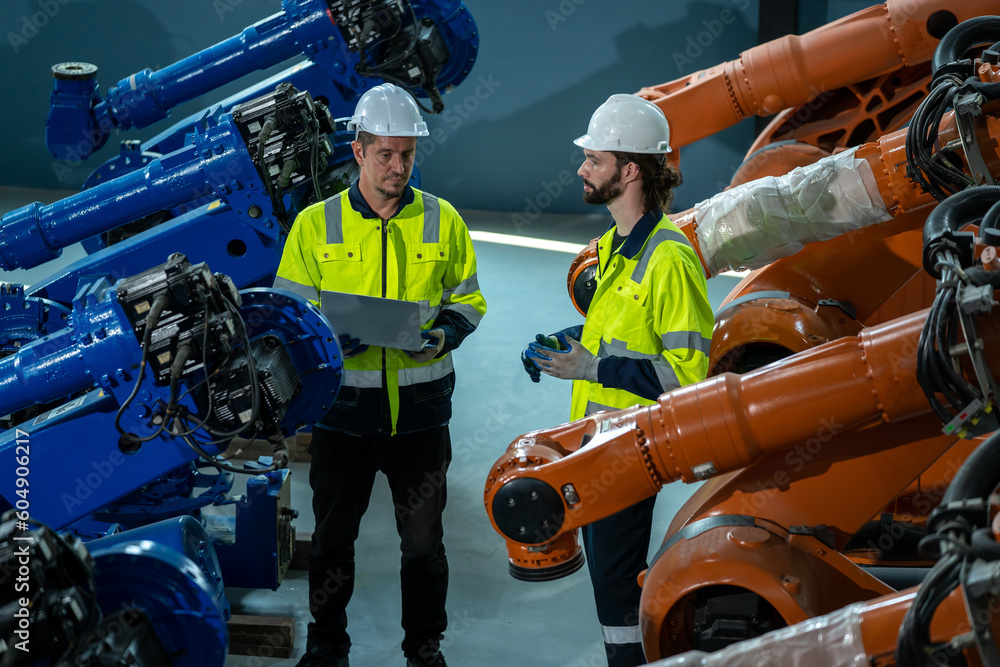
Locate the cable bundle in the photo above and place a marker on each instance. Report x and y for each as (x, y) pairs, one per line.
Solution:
(382, 69)
(936, 170)
(177, 421)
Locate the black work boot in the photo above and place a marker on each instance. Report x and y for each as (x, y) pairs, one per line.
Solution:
(320, 654)
(436, 660)
(316, 660)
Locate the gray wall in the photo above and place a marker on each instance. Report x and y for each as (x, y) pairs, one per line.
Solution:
(814, 13)
(504, 140)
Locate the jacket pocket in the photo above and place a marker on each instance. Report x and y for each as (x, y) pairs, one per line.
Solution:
(427, 263)
(340, 266)
(435, 390)
(627, 311)
(634, 293)
(348, 396)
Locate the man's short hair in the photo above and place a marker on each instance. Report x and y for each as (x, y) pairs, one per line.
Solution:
(659, 178)
(366, 139)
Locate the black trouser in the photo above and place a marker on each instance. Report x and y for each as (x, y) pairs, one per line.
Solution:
(616, 549)
(341, 475)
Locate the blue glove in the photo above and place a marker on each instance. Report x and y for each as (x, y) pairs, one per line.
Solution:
(571, 361)
(530, 353)
(432, 346)
(529, 366)
(351, 347)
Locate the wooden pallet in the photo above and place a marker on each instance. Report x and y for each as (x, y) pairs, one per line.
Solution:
(261, 636)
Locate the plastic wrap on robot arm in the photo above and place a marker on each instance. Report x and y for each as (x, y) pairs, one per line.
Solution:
(756, 223)
(834, 639)
(752, 225)
(866, 633)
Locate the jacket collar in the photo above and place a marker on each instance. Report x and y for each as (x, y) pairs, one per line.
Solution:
(637, 238)
(359, 204)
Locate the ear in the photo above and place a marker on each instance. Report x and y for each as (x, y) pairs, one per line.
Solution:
(631, 172)
(359, 153)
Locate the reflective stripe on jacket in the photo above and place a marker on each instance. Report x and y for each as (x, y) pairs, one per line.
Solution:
(650, 321)
(424, 254)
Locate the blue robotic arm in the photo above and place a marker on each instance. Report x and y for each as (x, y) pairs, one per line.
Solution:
(161, 360)
(248, 158)
(423, 45)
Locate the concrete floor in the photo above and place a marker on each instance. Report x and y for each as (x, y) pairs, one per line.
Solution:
(493, 619)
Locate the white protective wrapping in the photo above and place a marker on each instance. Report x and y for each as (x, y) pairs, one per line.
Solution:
(756, 223)
(833, 640)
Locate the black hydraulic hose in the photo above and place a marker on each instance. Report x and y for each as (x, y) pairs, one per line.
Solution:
(950, 216)
(961, 38)
(992, 218)
(979, 475)
(985, 546)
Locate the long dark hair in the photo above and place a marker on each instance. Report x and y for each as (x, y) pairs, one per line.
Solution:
(659, 178)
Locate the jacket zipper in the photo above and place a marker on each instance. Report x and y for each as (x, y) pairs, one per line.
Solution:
(385, 270)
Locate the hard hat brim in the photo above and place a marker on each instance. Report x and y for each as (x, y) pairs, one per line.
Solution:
(418, 131)
(587, 141)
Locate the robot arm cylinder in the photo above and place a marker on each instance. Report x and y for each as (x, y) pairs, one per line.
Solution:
(43, 371)
(148, 96)
(35, 234)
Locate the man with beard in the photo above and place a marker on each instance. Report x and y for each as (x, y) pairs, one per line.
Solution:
(647, 331)
(386, 239)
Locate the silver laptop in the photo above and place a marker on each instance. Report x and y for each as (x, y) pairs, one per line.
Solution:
(375, 321)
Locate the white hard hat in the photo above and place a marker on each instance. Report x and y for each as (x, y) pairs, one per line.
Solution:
(388, 111)
(627, 124)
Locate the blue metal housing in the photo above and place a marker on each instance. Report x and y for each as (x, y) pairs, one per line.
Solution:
(247, 560)
(169, 570)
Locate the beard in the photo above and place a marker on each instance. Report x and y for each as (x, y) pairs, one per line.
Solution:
(391, 190)
(604, 193)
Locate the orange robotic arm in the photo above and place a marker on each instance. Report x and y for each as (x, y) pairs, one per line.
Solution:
(546, 485)
(795, 70)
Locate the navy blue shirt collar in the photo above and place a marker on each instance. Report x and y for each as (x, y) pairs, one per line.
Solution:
(640, 232)
(359, 204)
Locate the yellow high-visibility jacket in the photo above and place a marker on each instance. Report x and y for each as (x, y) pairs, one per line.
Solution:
(650, 322)
(423, 253)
